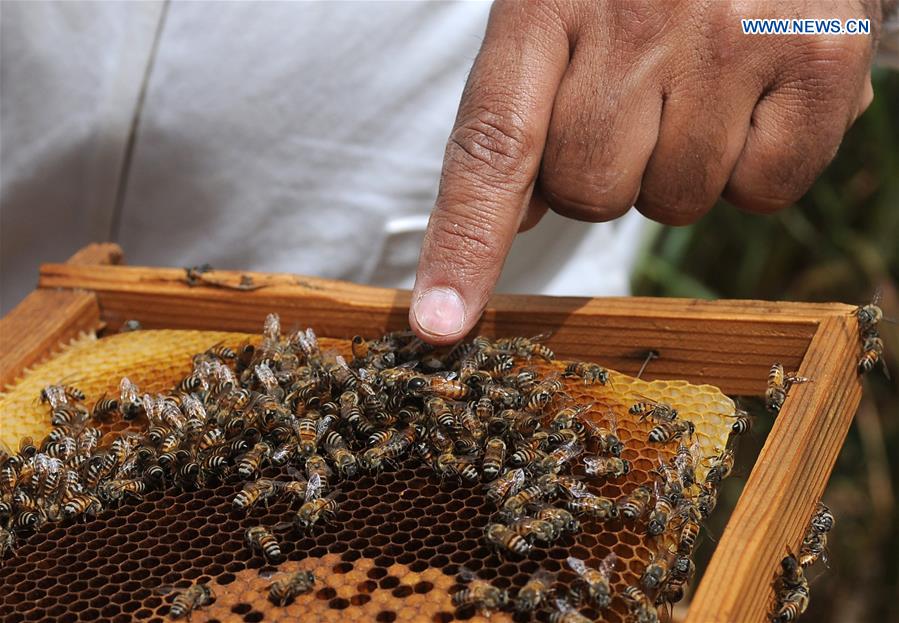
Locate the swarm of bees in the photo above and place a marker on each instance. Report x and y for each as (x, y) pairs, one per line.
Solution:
(791, 588)
(472, 414)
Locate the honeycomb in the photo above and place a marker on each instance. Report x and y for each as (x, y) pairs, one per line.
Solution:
(392, 553)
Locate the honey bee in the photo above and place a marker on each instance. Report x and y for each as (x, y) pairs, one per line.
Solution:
(508, 397)
(791, 590)
(681, 571)
(69, 415)
(661, 512)
(288, 587)
(337, 449)
(776, 392)
(260, 490)
(658, 411)
(442, 386)
(307, 436)
(606, 466)
(671, 430)
(557, 459)
(535, 529)
(823, 519)
(259, 538)
(707, 500)
(193, 598)
(779, 383)
(494, 457)
(742, 422)
(813, 547)
(316, 510)
(596, 581)
(220, 351)
(563, 485)
(685, 463)
(525, 347)
(590, 372)
(506, 541)
(565, 613)
(56, 395)
(567, 417)
(656, 572)
(525, 456)
(479, 593)
(872, 354)
(720, 466)
(252, 460)
(609, 443)
(594, 506)
(115, 490)
(509, 483)
(535, 592)
(641, 608)
(516, 503)
(689, 527)
(449, 465)
(7, 542)
(561, 519)
(81, 505)
(542, 394)
(869, 315)
(440, 411)
(636, 503)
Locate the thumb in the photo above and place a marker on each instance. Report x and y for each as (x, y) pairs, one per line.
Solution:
(491, 161)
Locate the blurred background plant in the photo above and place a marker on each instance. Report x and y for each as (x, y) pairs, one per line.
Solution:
(839, 243)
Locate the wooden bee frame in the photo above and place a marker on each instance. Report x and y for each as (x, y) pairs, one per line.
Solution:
(730, 344)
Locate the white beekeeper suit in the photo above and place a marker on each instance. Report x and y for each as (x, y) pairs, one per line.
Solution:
(296, 137)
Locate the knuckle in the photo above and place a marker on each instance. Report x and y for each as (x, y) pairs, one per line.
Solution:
(599, 196)
(670, 210)
(495, 146)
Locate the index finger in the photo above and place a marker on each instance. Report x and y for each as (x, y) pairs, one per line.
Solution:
(491, 161)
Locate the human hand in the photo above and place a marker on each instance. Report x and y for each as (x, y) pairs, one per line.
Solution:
(589, 108)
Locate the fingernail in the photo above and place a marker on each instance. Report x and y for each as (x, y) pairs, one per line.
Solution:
(439, 311)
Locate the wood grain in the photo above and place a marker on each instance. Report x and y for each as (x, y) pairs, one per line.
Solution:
(98, 253)
(46, 318)
(39, 324)
(730, 344)
(788, 479)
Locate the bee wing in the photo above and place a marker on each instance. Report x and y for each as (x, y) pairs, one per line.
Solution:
(282, 526)
(313, 487)
(542, 337)
(295, 473)
(580, 493)
(466, 574)
(592, 463)
(659, 488)
(648, 399)
(267, 574)
(166, 589)
(608, 564)
(518, 480)
(577, 565)
(544, 576)
(563, 606)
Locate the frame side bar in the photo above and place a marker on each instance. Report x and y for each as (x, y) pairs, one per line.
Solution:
(788, 479)
(39, 324)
